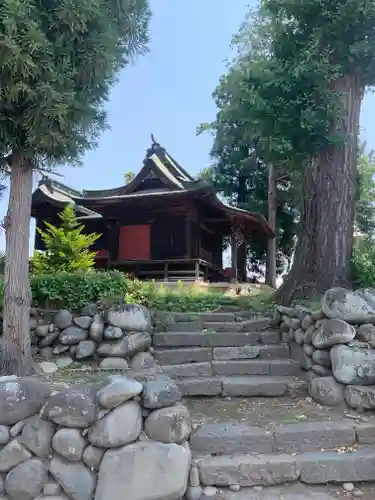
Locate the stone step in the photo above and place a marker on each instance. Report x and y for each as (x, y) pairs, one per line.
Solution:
(179, 317)
(273, 367)
(173, 356)
(268, 470)
(239, 437)
(294, 491)
(214, 339)
(263, 386)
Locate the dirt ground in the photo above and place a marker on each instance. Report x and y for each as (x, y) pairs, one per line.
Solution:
(268, 412)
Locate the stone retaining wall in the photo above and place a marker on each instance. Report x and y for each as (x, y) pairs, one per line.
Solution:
(335, 345)
(113, 440)
(117, 339)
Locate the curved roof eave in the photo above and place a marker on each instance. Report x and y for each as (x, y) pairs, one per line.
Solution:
(235, 211)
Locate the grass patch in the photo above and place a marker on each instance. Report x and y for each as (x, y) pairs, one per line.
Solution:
(192, 299)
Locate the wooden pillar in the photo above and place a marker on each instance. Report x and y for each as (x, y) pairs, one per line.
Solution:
(112, 228)
(234, 256)
(188, 237)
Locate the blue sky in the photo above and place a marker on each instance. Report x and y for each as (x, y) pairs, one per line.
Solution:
(168, 92)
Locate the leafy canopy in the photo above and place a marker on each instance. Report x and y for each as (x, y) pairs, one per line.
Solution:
(67, 248)
(58, 62)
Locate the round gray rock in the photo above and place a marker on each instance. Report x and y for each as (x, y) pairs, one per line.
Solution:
(73, 335)
(326, 391)
(353, 365)
(13, 454)
(345, 304)
(169, 425)
(21, 398)
(130, 317)
(159, 392)
(359, 397)
(37, 436)
(71, 408)
(69, 444)
(77, 481)
(83, 322)
(119, 427)
(26, 481)
(151, 470)
(332, 332)
(117, 391)
(85, 349)
(322, 357)
(97, 328)
(63, 319)
(42, 330)
(113, 333)
(92, 457)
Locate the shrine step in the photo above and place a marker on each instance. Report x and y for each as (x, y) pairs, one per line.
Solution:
(267, 470)
(274, 367)
(173, 356)
(208, 338)
(231, 438)
(250, 386)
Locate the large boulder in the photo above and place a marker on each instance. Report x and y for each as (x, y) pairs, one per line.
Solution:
(69, 444)
(63, 319)
(77, 481)
(75, 407)
(359, 397)
(331, 332)
(144, 470)
(73, 335)
(353, 365)
(130, 317)
(128, 346)
(326, 391)
(37, 436)
(121, 426)
(26, 481)
(117, 391)
(21, 398)
(346, 304)
(13, 454)
(160, 391)
(169, 425)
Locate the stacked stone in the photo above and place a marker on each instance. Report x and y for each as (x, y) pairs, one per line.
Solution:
(114, 440)
(336, 346)
(119, 339)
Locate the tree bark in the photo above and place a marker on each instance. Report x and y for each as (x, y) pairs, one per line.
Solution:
(16, 355)
(329, 185)
(271, 245)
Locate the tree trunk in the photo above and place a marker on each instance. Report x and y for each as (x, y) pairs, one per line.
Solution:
(16, 355)
(271, 246)
(329, 185)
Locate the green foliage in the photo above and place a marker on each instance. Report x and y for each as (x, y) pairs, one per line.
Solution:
(363, 262)
(58, 63)
(76, 290)
(365, 209)
(66, 247)
(128, 177)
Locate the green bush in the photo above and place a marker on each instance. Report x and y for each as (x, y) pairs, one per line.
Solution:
(75, 290)
(363, 263)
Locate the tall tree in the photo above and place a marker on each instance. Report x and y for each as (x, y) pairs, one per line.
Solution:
(244, 158)
(58, 63)
(304, 99)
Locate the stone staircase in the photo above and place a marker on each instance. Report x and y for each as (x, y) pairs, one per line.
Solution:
(224, 354)
(237, 455)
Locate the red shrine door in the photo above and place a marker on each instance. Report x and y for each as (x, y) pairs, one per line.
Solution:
(134, 243)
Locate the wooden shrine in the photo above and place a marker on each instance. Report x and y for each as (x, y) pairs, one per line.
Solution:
(163, 225)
